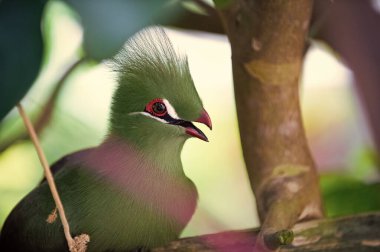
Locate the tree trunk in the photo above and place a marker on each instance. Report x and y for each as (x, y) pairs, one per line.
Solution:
(267, 41)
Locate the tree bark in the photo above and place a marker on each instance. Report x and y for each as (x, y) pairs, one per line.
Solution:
(46, 113)
(359, 233)
(267, 42)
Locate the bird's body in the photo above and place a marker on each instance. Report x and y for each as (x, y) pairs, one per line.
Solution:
(130, 191)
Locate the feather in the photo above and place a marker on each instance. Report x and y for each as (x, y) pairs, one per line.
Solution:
(131, 190)
(148, 67)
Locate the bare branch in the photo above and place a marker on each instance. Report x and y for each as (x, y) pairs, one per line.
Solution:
(45, 115)
(79, 243)
(349, 234)
(350, 28)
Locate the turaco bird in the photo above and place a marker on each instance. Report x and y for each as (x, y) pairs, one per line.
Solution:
(130, 192)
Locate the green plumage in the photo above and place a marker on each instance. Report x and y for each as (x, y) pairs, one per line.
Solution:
(149, 68)
(130, 191)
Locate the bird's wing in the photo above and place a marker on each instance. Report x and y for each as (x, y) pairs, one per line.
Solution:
(34, 209)
(69, 158)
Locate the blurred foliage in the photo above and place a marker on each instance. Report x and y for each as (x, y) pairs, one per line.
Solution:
(79, 120)
(21, 49)
(11, 126)
(357, 189)
(24, 175)
(108, 24)
(193, 7)
(345, 195)
(365, 163)
(222, 3)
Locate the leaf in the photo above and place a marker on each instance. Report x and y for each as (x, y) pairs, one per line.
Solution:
(365, 162)
(108, 24)
(221, 4)
(193, 7)
(344, 195)
(21, 49)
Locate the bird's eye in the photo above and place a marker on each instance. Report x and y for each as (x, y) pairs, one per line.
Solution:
(159, 108)
(156, 107)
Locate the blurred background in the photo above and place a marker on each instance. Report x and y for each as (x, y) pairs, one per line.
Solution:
(335, 123)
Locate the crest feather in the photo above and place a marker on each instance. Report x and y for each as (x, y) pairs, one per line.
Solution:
(148, 67)
(150, 49)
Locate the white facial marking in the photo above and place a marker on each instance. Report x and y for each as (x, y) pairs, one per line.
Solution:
(148, 115)
(170, 109)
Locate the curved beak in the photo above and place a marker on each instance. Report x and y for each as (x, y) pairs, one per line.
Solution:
(192, 130)
(205, 119)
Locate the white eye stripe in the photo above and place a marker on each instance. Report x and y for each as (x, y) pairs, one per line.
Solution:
(148, 115)
(170, 109)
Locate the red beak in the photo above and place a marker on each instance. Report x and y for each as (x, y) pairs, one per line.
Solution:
(194, 131)
(205, 119)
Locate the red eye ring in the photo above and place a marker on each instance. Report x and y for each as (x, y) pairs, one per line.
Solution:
(156, 107)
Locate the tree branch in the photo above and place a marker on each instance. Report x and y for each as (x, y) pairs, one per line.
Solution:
(45, 115)
(267, 42)
(78, 243)
(351, 29)
(348, 234)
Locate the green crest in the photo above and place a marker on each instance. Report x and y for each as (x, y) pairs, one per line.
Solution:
(148, 67)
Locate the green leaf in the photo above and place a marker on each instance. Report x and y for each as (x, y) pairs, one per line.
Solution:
(365, 162)
(345, 195)
(221, 4)
(193, 7)
(21, 49)
(108, 24)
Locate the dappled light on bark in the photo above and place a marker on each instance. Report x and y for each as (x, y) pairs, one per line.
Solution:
(266, 74)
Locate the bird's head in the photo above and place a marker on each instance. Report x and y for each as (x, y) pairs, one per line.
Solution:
(156, 96)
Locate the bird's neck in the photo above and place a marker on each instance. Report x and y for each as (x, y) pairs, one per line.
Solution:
(150, 150)
(153, 142)
(150, 176)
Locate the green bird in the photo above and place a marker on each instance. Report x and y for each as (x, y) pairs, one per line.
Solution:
(130, 192)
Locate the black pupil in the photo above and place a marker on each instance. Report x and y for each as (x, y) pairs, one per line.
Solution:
(159, 107)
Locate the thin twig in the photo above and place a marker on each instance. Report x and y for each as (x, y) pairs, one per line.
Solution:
(49, 177)
(44, 117)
